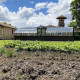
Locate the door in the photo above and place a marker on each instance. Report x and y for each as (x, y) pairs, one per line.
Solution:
(41, 31)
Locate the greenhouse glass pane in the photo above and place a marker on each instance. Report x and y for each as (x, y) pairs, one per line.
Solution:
(26, 30)
(61, 31)
(56, 31)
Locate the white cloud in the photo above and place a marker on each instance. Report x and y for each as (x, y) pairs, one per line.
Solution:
(50, 5)
(60, 8)
(26, 17)
(25, 12)
(1, 1)
(4, 13)
(39, 6)
(54, 10)
(18, 19)
(41, 19)
(32, 2)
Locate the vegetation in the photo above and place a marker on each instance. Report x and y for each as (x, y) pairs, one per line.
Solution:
(75, 9)
(9, 53)
(72, 24)
(43, 46)
(10, 24)
(40, 57)
(2, 50)
(6, 23)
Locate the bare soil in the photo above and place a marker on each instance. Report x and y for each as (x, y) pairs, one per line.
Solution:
(40, 65)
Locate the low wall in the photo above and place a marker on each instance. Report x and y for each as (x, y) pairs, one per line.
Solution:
(45, 38)
(77, 38)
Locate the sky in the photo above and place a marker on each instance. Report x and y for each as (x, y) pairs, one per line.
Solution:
(32, 13)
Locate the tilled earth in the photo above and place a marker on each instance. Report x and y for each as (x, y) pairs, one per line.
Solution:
(46, 65)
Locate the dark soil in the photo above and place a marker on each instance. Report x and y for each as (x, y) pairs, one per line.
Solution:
(50, 65)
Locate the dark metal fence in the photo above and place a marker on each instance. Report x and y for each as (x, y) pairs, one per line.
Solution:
(45, 38)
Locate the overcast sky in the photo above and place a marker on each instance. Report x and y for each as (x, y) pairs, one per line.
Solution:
(32, 13)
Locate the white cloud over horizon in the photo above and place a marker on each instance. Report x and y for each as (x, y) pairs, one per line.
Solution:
(27, 17)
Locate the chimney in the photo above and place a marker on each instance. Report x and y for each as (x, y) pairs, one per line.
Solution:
(61, 20)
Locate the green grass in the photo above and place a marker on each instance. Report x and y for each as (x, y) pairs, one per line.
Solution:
(2, 50)
(25, 57)
(53, 77)
(41, 45)
(9, 53)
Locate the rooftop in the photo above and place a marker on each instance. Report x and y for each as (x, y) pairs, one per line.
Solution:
(50, 26)
(7, 25)
(49, 30)
(61, 17)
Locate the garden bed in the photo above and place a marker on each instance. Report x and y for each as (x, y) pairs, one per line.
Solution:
(36, 60)
(40, 65)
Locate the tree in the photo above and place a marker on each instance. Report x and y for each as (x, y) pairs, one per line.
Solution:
(75, 9)
(72, 24)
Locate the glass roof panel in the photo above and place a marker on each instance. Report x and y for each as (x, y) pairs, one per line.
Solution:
(58, 30)
(49, 30)
(27, 30)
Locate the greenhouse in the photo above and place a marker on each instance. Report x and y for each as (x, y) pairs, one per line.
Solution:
(49, 32)
(43, 33)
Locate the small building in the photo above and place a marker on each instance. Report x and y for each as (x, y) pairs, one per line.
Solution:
(7, 31)
(49, 32)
